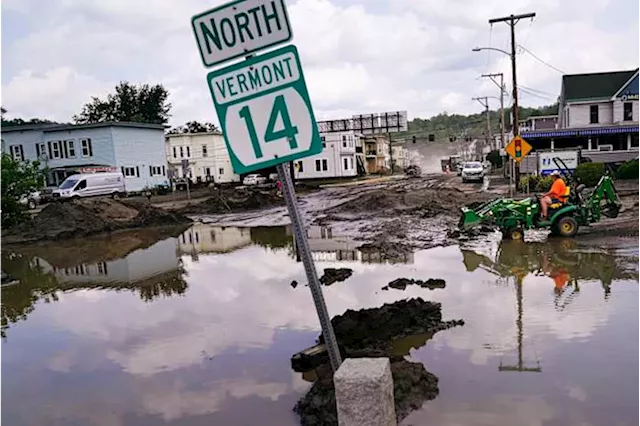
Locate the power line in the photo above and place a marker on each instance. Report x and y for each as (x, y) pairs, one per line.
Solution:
(537, 90)
(546, 98)
(545, 63)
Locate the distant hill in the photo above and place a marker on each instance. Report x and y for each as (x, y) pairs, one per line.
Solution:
(475, 125)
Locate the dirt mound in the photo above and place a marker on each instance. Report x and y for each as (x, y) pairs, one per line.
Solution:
(333, 275)
(233, 201)
(426, 202)
(91, 216)
(373, 333)
(402, 283)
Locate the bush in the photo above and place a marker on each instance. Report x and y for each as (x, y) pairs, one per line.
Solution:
(628, 170)
(590, 173)
(536, 183)
(495, 159)
(19, 179)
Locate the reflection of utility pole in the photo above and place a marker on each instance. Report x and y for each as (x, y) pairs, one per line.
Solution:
(520, 367)
(484, 101)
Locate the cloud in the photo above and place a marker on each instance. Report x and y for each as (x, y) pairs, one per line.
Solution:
(405, 54)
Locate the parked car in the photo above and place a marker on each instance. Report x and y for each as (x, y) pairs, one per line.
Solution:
(90, 185)
(472, 171)
(254, 179)
(31, 200)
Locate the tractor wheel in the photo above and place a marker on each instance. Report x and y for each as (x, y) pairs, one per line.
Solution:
(513, 234)
(566, 226)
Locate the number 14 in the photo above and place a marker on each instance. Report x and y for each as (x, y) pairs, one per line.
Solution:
(279, 108)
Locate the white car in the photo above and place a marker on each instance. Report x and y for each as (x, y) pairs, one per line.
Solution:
(472, 171)
(254, 179)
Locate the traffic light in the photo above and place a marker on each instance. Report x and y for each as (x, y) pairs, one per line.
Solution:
(432, 137)
(518, 148)
(413, 138)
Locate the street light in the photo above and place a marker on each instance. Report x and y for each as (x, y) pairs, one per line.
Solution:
(478, 49)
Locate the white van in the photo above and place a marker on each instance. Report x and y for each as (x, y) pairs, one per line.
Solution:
(90, 185)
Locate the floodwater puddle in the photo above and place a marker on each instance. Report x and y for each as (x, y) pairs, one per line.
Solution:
(199, 327)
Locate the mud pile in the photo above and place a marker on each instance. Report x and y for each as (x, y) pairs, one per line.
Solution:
(91, 216)
(333, 275)
(372, 333)
(402, 283)
(426, 202)
(233, 201)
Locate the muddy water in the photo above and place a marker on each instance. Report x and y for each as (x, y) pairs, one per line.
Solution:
(199, 329)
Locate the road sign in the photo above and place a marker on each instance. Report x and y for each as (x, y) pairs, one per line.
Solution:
(240, 28)
(518, 148)
(264, 110)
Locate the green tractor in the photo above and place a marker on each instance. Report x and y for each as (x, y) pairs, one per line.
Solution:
(582, 208)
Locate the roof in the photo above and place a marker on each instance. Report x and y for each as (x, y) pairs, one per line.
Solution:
(58, 127)
(173, 135)
(594, 85)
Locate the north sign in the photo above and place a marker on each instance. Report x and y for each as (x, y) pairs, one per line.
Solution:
(240, 28)
(264, 110)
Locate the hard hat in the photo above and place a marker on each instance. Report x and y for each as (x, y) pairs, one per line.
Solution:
(555, 173)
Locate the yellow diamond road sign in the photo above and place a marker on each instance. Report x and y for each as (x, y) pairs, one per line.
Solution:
(518, 148)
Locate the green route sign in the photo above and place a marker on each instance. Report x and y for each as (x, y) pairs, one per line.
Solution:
(265, 111)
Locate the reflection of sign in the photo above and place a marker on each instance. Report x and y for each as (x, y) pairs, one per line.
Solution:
(629, 97)
(518, 148)
(546, 164)
(265, 111)
(240, 28)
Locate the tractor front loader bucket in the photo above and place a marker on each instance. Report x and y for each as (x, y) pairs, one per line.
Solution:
(477, 215)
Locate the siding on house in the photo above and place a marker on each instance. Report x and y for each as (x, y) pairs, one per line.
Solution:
(579, 114)
(338, 154)
(141, 149)
(618, 112)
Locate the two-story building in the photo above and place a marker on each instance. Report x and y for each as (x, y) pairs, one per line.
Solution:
(137, 149)
(376, 152)
(337, 159)
(539, 122)
(206, 154)
(598, 113)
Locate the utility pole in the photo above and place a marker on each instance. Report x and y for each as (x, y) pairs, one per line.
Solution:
(502, 92)
(484, 101)
(512, 20)
(390, 152)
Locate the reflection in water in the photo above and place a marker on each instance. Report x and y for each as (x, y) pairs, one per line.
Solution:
(152, 272)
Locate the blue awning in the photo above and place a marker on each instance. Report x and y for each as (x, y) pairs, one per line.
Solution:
(566, 133)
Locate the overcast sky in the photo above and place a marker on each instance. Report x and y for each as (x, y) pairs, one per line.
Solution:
(359, 56)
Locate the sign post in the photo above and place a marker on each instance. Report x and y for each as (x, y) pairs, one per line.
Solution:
(264, 109)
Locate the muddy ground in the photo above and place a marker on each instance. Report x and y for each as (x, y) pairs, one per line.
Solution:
(60, 221)
(393, 323)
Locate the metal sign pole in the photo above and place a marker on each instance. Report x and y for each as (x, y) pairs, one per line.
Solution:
(302, 245)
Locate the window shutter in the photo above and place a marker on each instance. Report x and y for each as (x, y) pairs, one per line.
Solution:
(21, 153)
(50, 150)
(38, 150)
(150, 171)
(66, 150)
(137, 171)
(122, 170)
(163, 172)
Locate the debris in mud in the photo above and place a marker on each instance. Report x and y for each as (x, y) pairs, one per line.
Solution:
(294, 283)
(233, 200)
(371, 333)
(385, 251)
(413, 385)
(402, 283)
(332, 275)
(90, 216)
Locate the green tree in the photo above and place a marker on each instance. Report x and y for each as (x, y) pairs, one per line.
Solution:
(19, 179)
(20, 121)
(194, 127)
(141, 104)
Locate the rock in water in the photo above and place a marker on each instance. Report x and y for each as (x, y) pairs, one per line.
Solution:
(332, 275)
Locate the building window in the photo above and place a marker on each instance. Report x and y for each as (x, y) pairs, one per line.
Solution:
(155, 171)
(351, 163)
(188, 152)
(208, 171)
(346, 163)
(129, 171)
(175, 154)
(41, 150)
(221, 171)
(344, 141)
(17, 153)
(212, 233)
(300, 166)
(70, 148)
(87, 149)
(102, 268)
(56, 147)
(628, 111)
(593, 114)
(204, 151)
(181, 152)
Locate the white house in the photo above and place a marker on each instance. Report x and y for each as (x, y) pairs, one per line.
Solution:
(206, 154)
(337, 159)
(400, 157)
(137, 149)
(207, 238)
